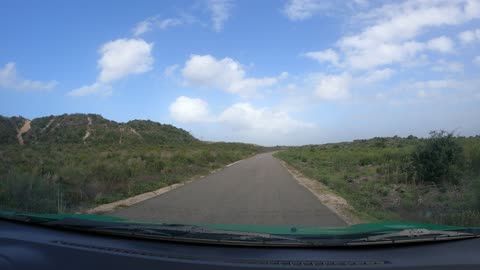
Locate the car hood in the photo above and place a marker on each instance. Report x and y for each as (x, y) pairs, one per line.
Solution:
(377, 227)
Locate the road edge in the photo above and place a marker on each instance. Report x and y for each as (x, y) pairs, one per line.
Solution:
(326, 196)
(108, 207)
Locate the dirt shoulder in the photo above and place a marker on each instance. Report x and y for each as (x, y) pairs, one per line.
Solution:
(105, 208)
(327, 197)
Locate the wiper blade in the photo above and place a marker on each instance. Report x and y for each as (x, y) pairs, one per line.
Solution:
(179, 232)
(411, 236)
(205, 234)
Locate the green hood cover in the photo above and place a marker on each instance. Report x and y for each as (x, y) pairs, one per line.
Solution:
(385, 227)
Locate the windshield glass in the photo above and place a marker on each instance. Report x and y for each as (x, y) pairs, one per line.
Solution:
(267, 117)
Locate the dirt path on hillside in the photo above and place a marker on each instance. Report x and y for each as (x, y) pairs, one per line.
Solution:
(25, 128)
(87, 133)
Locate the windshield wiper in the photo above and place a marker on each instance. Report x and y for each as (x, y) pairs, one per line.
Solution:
(179, 232)
(171, 232)
(411, 236)
(204, 234)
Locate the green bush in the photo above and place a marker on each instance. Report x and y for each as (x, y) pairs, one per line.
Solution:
(70, 177)
(438, 159)
(434, 180)
(27, 193)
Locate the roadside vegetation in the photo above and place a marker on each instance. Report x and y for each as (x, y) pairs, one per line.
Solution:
(72, 162)
(68, 178)
(432, 180)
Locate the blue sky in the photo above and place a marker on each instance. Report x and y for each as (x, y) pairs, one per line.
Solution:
(267, 72)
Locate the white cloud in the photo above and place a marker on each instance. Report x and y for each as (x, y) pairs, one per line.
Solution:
(298, 10)
(240, 121)
(472, 9)
(392, 53)
(445, 66)
(469, 36)
(448, 88)
(434, 84)
(248, 86)
(328, 55)
(338, 87)
(291, 88)
(406, 20)
(332, 87)
(220, 10)
(432, 88)
(283, 75)
(382, 54)
(226, 74)
(422, 93)
(142, 27)
(466, 37)
(123, 57)
(119, 58)
(390, 32)
(96, 88)
(9, 79)
(243, 117)
(361, 2)
(169, 22)
(170, 70)
(476, 60)
(436, 91)
(378, 75)
(189, 110)
(156, 22)
(206, 70)
(441, 44)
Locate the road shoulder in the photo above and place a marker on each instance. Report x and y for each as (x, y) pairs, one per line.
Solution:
(105, 208)
(327, 197)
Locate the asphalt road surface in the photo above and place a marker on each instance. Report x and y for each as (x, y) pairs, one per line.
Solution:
(258, 190)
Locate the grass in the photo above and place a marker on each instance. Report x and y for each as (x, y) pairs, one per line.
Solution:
(378, 179)
(60, 178)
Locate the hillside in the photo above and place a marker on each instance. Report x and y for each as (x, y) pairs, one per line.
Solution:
(88, 129)
(70, 162)
(9, 128)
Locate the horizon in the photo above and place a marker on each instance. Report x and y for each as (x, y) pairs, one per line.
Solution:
(262, 145)
(311, 72)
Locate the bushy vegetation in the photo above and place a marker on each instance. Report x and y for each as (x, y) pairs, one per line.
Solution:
(439, 159)
(61, 169)
(72, 128)
(70, 177)
(8, 129)
(433, 180)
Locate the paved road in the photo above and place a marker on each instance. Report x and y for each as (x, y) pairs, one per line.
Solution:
(258, 190)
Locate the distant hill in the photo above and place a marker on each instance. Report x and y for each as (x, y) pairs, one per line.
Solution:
(88, 129)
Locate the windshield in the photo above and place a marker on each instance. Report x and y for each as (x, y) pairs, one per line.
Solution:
(271, 118)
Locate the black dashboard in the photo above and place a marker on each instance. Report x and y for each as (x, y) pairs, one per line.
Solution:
(24, 246)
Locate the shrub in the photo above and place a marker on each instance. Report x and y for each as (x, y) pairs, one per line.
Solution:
(23, 192)
(438, 159)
